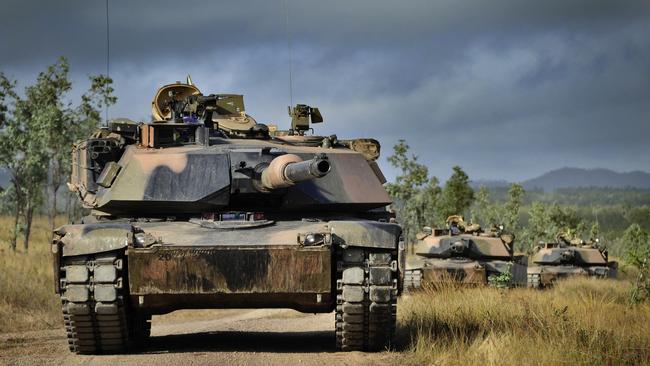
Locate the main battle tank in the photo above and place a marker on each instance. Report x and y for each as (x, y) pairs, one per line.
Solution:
(464, 254)
(568, 258)
(206, 208)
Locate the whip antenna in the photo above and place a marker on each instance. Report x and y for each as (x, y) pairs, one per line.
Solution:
(108, 53)
(286, 10)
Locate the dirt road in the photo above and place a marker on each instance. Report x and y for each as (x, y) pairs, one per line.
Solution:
(221, 337)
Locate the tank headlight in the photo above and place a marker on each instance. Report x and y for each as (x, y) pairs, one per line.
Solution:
(144, 239)
(312, 239)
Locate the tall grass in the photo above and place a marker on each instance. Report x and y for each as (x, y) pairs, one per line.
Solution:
(27, 299)
(580, 321)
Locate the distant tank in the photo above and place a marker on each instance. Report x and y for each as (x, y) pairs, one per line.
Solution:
(204, 207)
(568, 258)
(465, 254)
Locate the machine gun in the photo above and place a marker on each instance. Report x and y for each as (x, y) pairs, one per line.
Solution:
(192, 108)
(301, 116)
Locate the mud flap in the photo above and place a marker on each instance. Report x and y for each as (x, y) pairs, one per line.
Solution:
(519, 270)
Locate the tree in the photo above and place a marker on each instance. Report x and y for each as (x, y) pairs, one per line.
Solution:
(481, 205)
(637, 253)
(537, 230)
(22, 154)
(457, 196)
(512, 206)
(484, 211)
(73, 125)
(36, 134)
(415, 195)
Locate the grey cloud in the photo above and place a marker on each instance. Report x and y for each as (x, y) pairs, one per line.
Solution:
(506, 89)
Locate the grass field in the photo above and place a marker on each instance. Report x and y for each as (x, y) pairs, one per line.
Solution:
(27, 299)
(579, 321)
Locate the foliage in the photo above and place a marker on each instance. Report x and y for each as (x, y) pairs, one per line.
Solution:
(546, 222)
(418, 199)
(511, 208)
(22, 151)
(37, 131)
(457, 195)
(415, 193)
(637, 254)
(484, 211)
(503, 279)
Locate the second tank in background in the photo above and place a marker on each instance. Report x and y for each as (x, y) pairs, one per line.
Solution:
(464, 253)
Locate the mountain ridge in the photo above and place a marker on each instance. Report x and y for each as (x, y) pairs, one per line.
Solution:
(597, 177)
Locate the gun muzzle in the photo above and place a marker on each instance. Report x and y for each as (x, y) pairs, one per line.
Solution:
(458, 247)
(567, 256)
(289, 169)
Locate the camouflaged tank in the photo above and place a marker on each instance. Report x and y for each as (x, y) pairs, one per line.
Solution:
(568, 258)
(206, 208)
(464, 254)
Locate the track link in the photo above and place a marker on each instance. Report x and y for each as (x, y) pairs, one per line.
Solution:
(533, 281)
(366, 310)
(412, 279)
(94, 303)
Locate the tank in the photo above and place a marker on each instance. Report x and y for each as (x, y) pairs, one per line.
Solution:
(464, 254)
(204, 207)
(568, 258)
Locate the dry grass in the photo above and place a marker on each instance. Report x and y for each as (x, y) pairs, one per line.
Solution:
(27, 299)
(580, 321)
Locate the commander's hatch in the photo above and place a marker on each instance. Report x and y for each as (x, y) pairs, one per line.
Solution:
(230, 115)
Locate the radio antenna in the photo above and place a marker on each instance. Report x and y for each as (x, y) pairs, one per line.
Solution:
(286, 10)
(108, 57)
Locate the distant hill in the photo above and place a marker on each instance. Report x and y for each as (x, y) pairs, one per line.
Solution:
(476, 184)
(577, 177)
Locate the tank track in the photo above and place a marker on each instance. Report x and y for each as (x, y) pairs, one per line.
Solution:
(366, 303)
(94, 295)
(533, 280)
(412, 279)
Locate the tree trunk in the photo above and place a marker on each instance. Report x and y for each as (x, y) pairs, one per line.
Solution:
(52, 215)
(29, 214)
(54, 184)
(14, 233)
(67, 205)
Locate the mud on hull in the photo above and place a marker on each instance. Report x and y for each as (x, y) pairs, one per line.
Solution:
(166, 278)
(464, 272)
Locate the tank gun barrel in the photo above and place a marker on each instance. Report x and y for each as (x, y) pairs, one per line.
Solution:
(289, 169)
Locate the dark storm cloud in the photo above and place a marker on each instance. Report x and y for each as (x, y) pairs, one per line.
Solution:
(506, 89)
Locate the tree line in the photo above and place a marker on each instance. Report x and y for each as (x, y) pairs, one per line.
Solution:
(37, 130)
(420, 200)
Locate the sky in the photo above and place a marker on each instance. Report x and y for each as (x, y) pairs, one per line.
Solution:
(507, 89)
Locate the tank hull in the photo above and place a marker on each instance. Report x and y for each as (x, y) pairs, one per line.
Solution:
(113, 276)
(432, 271)
(547, 275)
